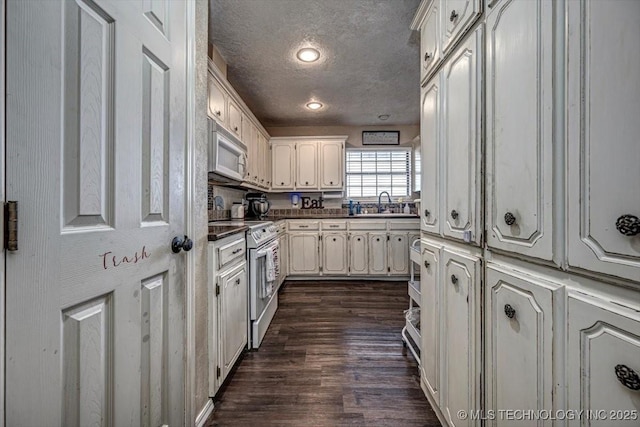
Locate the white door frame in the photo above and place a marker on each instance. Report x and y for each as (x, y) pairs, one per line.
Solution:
(3, 8)
(190, 195)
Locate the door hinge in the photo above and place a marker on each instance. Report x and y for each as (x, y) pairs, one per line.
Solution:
(388, 238)
(217, 371)
(11, 226)
(217, 289)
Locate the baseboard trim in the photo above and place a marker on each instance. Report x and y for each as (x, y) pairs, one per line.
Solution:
(203, 415)
(433, 403)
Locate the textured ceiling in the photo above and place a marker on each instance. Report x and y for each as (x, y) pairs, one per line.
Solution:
(369, 62)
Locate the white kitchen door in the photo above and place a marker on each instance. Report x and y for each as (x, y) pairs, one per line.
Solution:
(96, 160)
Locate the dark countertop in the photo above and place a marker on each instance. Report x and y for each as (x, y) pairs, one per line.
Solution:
(340, 217)
(220, 231)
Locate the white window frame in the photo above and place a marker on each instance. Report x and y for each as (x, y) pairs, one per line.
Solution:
(405, 149)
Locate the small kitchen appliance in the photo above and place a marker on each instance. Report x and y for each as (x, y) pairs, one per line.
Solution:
(258, 205)
(237, 211)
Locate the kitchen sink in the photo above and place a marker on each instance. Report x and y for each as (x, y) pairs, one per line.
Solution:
(386, 215)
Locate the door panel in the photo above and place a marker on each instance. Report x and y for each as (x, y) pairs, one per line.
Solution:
(430, 127)
(430, 318)
(307, 165)
(304, 253)
(95, 332)
(331, 163)
(603, 128)
(398, 253)
(233, 317)
(457, 17)
(462, 112)
(334, 248)
(519, 128)
(283, 159)
(378, 253)
(359, 254)
(217, 101)
(520, 336)
(430, 40)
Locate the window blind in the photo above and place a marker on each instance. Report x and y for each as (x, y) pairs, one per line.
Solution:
(370, 172)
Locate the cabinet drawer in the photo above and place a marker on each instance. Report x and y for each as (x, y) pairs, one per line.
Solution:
(404, 224)
(230, 252)
(304, 225)
(367, 225)
(334, 225)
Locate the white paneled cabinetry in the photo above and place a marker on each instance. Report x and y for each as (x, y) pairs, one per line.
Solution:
(529, 198)
(307, 163)
(230, 112)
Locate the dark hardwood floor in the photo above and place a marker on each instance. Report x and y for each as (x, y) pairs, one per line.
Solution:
(332, 356)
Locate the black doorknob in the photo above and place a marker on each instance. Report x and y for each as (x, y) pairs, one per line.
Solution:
(509, 311)
(454, 279)
(454, 214)
(629, 225)
(509, 218)
(179, 243)
(427, 213)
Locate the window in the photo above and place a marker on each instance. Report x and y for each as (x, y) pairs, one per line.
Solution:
(417, 170)
(370, 172)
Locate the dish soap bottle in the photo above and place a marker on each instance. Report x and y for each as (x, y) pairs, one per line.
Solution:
(406, 209)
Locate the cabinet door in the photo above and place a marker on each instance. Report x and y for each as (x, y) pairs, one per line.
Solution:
(232, 306)
(217, 101)
(398, 247)
(460, 336)
(284, 256)
(603, 144)
(519, 331)
(430, 40)
(267, 162)
(264, 156)
(456, 18)
(283, 158)
(331, 165)
(252, 157)
(519, 103)
(358, 253)
(603, 360)
(334, 254)
(462, 133)
(304, 253)
(306, 165)
(430, 127)
(430, 319)
(235, 119)
(378, 253)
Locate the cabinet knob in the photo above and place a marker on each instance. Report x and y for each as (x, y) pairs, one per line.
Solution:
(238, 281)
(454, 279)
(235, 128)
(453, 16)
(509, 311)
(427, 214)
(358, 239)
(282, 183)
(426, 264)
(509, 218)
(331, 182)
(306, 183)
(218, 113)
(629, 225)
(427, 56)
(399, 239)
(334, 239)
(628, 377)
(377, 239)
(454, 214)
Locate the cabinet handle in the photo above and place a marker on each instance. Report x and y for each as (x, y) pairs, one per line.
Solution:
(236, 251)
(454, 279)
(491, 4)
(454, 214)
(427, 214)
(629, 225)
(426, 264)
(427, 56)
(454, 15)
(333, 226)
(509, 218)
(509, 311)
(238, 281)
(304, 226)
(218, 113)
(628, 377)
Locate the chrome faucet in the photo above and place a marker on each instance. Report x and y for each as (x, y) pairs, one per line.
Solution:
(380, 203)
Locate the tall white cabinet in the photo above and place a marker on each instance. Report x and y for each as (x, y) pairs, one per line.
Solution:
(530, 207)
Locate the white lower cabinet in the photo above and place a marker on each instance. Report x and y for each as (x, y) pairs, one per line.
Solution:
(358, 253)
(334, 254)
(460, 336)
(398, 253)
(518, 344)
(603, 360)
(430, 319)
(233, 318)
(304, 253)
(378, 254)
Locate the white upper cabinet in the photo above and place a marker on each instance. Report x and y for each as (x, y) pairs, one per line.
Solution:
(235, 119)
(430, 40)
(307, 165)
(247, 137)
(430, 156)
(283, 160)
(519, 97)
(603, 359)
(603, 137)
(462, 139)
(457, 17)
(217, 101)
(331, 164)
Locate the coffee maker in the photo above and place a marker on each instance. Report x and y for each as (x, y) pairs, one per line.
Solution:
(258, 205)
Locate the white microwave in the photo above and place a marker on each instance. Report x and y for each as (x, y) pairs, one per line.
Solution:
(227, 154)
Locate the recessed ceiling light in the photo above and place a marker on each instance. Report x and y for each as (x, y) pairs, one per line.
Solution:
(308, 54)
(314, 105)
(384, 116)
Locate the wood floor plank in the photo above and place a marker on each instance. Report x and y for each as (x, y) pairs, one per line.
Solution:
(333, 356)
